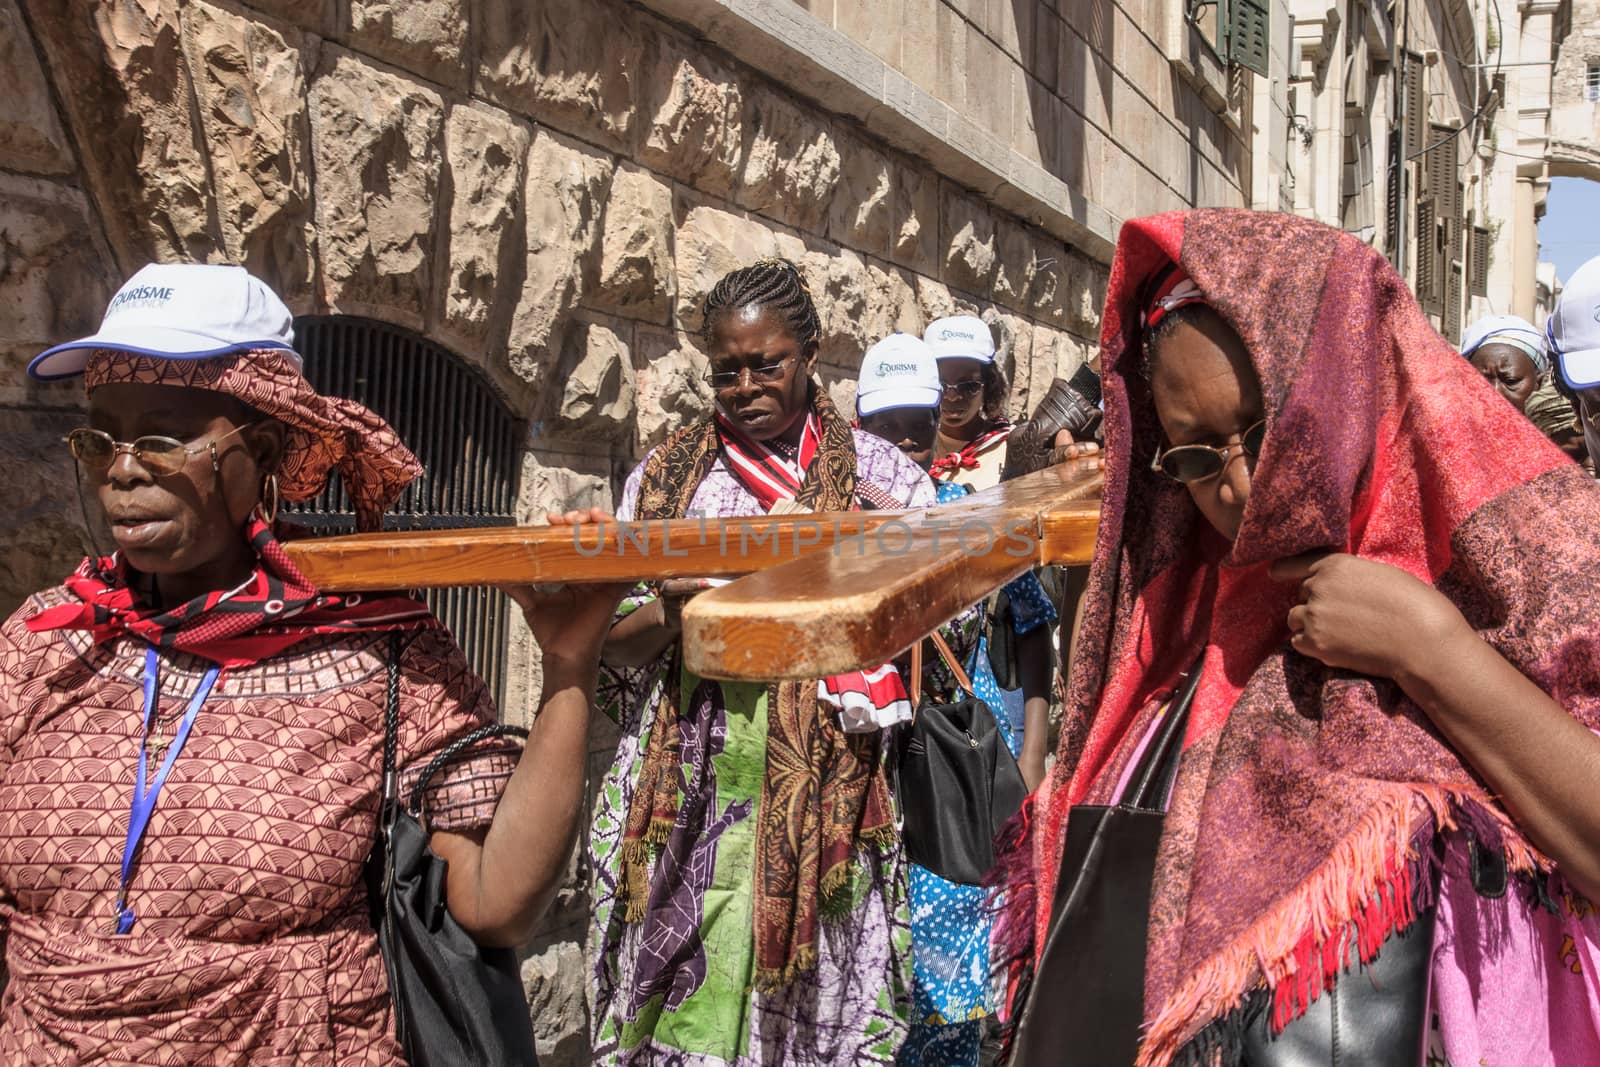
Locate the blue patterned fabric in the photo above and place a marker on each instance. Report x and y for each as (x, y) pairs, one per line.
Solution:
(951, 924)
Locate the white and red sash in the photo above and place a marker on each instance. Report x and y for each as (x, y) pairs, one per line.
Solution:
(769, 475)
(867, 700)
(949, 465)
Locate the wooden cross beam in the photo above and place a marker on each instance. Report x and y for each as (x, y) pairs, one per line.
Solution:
(824, 593)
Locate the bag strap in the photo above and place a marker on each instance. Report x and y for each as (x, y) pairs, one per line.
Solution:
(916, 679)
(950, 661)
(454, 749)
(1160, 760)
(388, 814)
(391, 727)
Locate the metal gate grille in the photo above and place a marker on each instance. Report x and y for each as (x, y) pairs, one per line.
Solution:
(465, 437)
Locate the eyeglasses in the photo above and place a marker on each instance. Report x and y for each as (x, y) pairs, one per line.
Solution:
(161, 456)
(765, 374)
(956, 390)
(1196, 463)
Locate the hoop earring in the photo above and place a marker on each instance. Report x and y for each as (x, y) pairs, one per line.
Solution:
(269, 487)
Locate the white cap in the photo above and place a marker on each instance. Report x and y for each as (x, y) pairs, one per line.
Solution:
(898, 372)
(180, 311)
(960, 337)
(1573, 332)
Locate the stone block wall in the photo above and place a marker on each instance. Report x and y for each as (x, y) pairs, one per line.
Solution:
(1574, 118)
(548, 188)
(1084, 88)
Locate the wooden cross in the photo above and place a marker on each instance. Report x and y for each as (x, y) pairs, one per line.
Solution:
(819, 594)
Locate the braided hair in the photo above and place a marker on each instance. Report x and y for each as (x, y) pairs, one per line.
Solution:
(773, 284)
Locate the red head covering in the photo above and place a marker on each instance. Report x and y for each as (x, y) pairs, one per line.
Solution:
(1300, 789)
(276, 607)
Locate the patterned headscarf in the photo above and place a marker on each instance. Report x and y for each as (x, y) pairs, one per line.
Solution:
(324, 432)
(1306, 797)
(1511, 330)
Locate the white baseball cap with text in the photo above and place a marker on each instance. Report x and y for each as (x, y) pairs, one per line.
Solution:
(897, 372)
(960, 337)
(180, 311)
(1572, 333)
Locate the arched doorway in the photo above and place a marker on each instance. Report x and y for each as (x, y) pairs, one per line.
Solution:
(468, 442)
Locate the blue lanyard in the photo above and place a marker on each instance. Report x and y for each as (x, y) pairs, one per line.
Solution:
(144, 801)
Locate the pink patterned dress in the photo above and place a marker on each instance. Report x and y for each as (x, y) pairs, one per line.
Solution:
(253, 942)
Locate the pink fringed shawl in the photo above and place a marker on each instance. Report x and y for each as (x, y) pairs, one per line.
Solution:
(1304, 792)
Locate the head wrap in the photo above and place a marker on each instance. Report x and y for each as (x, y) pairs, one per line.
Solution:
(1511, 330)
(1289, 837)
(1173, 289)
(1551, 412)
(324, 432)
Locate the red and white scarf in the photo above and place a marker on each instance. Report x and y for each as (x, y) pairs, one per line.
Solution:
(867, 700)
(768, 474)
(273, 610)
(949, 465)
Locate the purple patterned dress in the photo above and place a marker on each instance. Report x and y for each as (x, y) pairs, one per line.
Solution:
(675, 987)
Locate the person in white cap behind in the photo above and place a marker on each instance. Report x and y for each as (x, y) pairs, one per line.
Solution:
(971, 446)
(897, 398)
(1572, 336)
(897, 395)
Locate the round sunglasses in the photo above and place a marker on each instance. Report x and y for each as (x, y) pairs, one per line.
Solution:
(962, 390)
(1196, 463)
(161, 456)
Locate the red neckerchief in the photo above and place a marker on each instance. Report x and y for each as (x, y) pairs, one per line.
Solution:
(273, 609)
(768, 475)
(967, 458)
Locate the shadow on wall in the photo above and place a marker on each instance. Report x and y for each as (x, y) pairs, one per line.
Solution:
(1106, 112)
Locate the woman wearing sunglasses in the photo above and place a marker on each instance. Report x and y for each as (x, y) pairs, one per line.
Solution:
(749, 887)
(1340, 667)
(191, 759)
(970, 449)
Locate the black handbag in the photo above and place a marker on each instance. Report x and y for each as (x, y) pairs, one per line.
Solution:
(455, 1002)
(1000, 624)
(957, 781)
(1375, 1015)
(1085, 1001)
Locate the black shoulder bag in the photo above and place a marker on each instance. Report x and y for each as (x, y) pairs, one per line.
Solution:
(1086, 997)
(957, 780)
(455, 1002)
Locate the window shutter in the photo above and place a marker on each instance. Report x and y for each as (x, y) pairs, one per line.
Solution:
(1451, 326)
(1478, 279)
(1249, 38)
(1394, 213)
(1429, 285)
(1415, 88)
(1444, 171)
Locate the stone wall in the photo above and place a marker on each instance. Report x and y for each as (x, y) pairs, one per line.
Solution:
(1574, 118)
(549, 187)
(1086, 88)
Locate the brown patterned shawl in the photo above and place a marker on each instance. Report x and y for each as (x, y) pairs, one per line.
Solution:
(1292, 820)
(824, 790)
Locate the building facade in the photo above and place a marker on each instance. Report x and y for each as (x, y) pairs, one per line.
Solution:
(497, 218)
